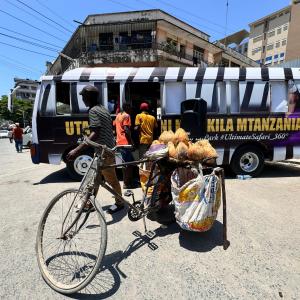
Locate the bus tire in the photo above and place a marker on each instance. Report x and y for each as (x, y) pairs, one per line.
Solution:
(77, 168)
(247, 160)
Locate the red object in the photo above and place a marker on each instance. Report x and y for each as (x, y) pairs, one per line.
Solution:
(122, 120)
(144, 106)
(18, 133)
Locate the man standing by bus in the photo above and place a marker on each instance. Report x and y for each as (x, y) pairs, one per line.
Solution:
(102, 133)
(146, 124)
(123, 124)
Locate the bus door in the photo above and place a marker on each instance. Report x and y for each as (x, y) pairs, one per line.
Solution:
(139, 92)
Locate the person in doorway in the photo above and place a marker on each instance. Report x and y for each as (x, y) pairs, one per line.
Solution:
(102, 133)
(145, 124)
(123, 124)
(293, 99)
(18, 137)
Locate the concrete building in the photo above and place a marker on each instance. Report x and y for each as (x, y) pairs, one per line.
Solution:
(275, 38)
(142, 38)
(25, 89)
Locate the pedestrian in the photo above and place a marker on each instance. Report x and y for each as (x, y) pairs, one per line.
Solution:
(145, 124)
(102, 133)
(123, 124)
(10, 135)
(18, 137)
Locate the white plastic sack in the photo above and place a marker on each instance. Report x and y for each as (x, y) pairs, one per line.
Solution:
(196, 202)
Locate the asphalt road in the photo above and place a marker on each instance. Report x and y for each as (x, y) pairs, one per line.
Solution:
(262, 262)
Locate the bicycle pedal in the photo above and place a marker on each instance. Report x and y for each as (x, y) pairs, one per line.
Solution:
(137, 233)
(150, 234)
(128, 193)
(152, 246)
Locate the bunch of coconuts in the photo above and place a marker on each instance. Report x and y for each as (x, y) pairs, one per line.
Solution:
(181, 148)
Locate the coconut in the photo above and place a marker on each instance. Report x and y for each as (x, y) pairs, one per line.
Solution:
(181, 151)
(181, 136)
(172, 150)
(166, 136)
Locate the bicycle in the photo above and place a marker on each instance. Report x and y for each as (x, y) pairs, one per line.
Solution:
(72, 234)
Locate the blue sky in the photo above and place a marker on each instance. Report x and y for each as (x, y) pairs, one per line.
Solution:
(208, 16)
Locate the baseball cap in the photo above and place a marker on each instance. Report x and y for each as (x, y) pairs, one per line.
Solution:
(89, 89)
(144, 106)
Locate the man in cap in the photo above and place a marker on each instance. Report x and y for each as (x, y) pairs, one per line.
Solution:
(18, 137)
(145, 123)
(102, 133)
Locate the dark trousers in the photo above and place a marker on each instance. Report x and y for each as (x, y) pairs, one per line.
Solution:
(19, 145)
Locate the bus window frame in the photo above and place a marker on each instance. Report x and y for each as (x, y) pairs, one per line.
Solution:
(55, 99)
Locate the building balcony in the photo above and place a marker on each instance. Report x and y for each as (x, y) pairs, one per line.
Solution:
(135, 53)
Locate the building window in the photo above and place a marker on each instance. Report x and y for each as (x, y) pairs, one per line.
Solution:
(257, 39)
(270, 47)
(197, 55)
(281, 54)
(271, 33)
(268, 60)
(277, 44)
(258, 61)
(106, 41)
(283, 43)
(285, 27)
(279, 30)
(141, 39)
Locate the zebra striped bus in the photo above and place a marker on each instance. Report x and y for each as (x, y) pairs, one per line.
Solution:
(252, 114)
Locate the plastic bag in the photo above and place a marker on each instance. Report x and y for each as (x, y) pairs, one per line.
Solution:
(197, 201)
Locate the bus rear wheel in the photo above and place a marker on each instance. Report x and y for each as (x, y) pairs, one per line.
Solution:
(247, 160)
(77, 168)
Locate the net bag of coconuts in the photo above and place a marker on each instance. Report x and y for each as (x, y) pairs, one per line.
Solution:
(196, 197)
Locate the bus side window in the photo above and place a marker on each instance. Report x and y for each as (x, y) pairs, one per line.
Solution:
(254, 96)
(44, 103)
(63, 106)
(113, 97)
(175, 94)
(279, 96)
(209, 93)
(232, 93)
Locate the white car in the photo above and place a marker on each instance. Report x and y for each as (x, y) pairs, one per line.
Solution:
(27, 136)
(3, 133)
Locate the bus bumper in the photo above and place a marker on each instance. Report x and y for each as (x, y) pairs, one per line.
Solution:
(35, 153)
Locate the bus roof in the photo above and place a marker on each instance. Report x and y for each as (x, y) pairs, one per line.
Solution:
(159, 74)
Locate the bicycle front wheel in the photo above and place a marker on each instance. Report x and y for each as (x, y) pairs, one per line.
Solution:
(69, 262)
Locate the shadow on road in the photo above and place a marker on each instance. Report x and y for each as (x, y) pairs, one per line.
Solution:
(56, 177)
(108, 280)
(202, 241)
(271, 170)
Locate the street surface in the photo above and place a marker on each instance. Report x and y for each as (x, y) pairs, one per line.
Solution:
(262, 262)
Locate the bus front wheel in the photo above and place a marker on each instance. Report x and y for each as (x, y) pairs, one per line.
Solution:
(77, 168)
(247, 160)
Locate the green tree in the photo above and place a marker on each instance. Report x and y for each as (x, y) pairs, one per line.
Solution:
(22, 111)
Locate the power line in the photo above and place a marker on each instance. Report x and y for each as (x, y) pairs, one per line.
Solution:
(24, 35)
(54, 13)
(18, 66)
(31, 25)
(14, 46)
(190, 13)
(29, 42)
(2, 56)
(122, 4)
(44, 16)
(186, 20)
(36, 17)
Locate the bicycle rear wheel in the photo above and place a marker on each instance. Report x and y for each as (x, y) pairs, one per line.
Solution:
(69, 264)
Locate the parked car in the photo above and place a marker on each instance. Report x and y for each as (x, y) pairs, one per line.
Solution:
(3, 133)
(27, 136)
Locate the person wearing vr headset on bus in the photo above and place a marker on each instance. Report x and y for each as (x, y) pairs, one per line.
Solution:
(102, 133)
